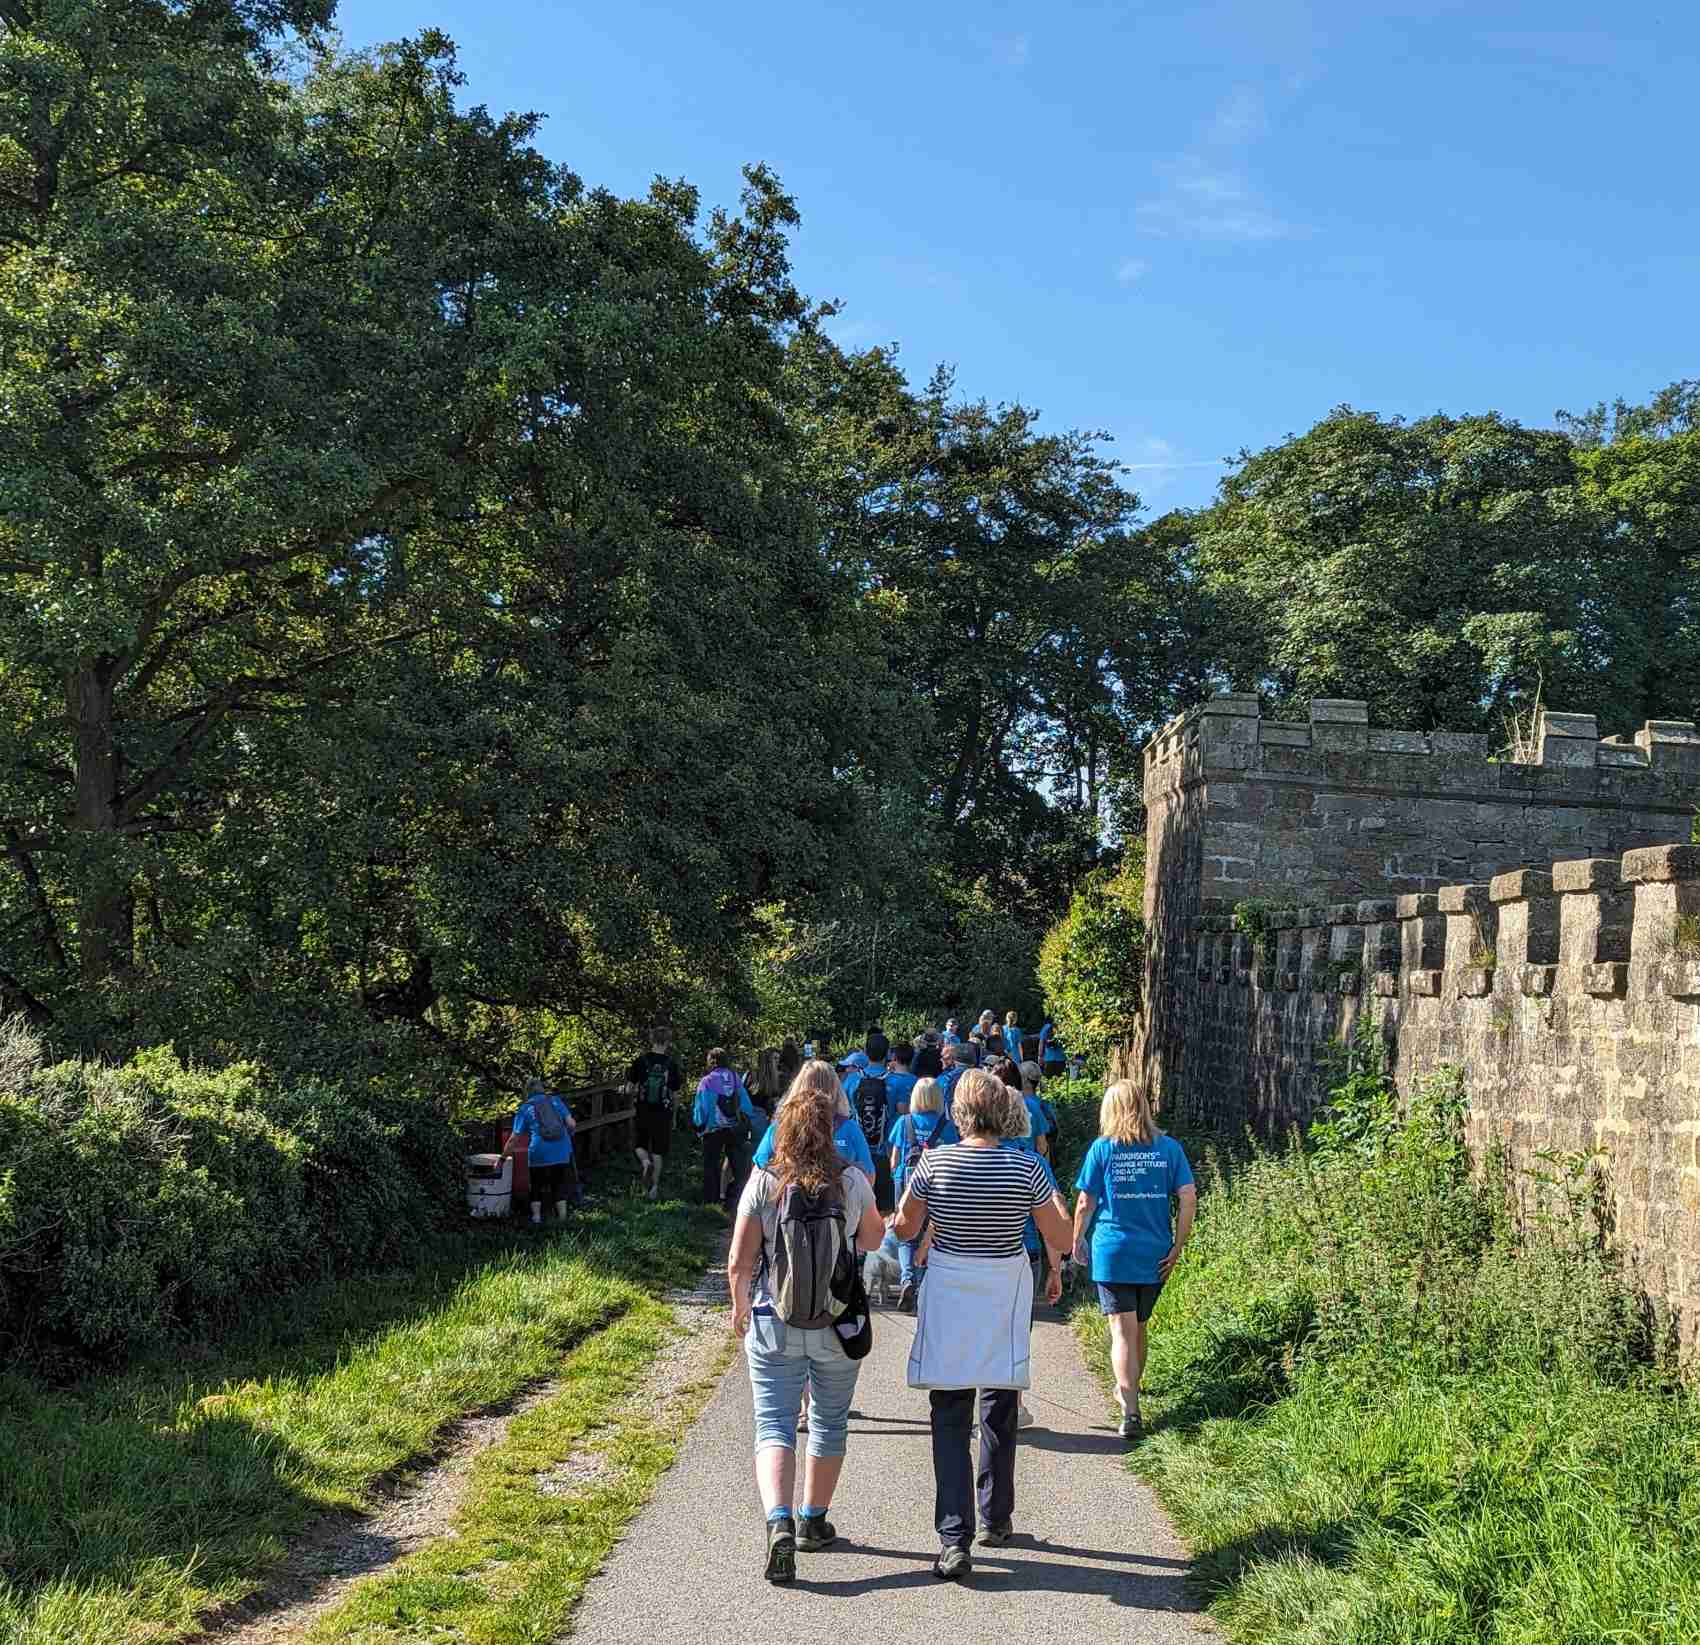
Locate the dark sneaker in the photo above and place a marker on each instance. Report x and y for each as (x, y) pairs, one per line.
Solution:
(814, 1532)
(953, 1564)
(781, 1551)
(1132, 1428)
(906, 1299)
(995, 1536)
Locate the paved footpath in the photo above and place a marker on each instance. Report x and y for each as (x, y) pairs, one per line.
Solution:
(1093, 1557)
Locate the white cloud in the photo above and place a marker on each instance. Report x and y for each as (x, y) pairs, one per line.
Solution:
(1131, 269)
(1200, 200)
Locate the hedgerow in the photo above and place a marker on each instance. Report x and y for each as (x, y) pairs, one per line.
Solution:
(141, 1200)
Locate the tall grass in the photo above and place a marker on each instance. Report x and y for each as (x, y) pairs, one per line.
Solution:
(131, 1504)
(1384, 1413)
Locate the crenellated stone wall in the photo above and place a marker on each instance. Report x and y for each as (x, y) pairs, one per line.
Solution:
(1529, 924)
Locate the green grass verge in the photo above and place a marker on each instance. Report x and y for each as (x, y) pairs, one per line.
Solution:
(132, 1505)
(520, 1557)
(1340, 1478)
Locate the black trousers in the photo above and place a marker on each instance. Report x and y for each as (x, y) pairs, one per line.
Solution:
(956, 1486)
(726, 1145)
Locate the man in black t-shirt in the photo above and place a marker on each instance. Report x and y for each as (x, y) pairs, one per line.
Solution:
(655, 1078)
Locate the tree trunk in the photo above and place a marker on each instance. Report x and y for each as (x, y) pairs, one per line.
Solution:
(106, 913)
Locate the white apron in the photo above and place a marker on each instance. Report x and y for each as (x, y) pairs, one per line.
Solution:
(973, 1323)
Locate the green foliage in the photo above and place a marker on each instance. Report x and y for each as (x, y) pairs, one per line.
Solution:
(201, 1463)
(137, 1199)
(1384, 1410)
(1092, 961)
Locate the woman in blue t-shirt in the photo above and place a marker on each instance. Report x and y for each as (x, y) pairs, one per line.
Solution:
(1126, 1181)
(924, 1127)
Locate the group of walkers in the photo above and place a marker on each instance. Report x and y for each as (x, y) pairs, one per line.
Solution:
(961, 1189)
(931, 1160)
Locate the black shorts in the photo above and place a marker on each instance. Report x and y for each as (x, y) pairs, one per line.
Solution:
(654, 1127)
(1128, 1299)
(550, 1184)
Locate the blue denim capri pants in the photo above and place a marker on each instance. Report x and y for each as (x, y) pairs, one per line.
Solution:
(781, 1359)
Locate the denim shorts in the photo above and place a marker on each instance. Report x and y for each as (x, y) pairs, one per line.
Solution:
(781, 1359)
(1128, 1299)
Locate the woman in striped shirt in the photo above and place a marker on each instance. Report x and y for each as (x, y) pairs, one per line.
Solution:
(974, 1314)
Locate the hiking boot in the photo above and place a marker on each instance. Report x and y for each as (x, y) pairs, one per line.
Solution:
(1132, 1428)
(995, 1536)
(814, 1532)
(953, 1564)
(906, 1298)
(781, 1551)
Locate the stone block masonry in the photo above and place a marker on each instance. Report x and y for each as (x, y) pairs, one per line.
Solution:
(1560, 973)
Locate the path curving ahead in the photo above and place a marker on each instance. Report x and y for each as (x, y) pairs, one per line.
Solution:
(1093, 1557)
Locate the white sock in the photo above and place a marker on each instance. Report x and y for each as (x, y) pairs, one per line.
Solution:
(561, 1209)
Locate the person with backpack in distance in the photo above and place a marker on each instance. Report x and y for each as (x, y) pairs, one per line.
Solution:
(548, 1125)
(900, 1082)
(655, 1080)
(870, 1103)
(924, 1126)
(974, 1315)
(1122, 1227)
(720, 1114)
(798, 1305)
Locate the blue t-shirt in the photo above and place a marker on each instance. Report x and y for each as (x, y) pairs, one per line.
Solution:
(1031, 1236)
(898, 1086)
(947, 1084)
(847, 1134)
(907, 1130)
(1012, 1044)
(539, 1150)
(1043, 1124)
(948, 1038)
(1132, 1183)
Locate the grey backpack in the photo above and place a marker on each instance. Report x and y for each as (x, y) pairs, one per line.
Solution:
(811, 1270)
(550, 1126)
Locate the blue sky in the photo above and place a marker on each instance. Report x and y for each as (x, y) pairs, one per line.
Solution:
(1198, 227)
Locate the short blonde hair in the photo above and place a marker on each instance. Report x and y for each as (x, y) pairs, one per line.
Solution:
(983, 1106)
(1127, 1113)
(926, 1098)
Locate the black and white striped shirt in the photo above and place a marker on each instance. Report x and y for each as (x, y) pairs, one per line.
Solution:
(979, 1199)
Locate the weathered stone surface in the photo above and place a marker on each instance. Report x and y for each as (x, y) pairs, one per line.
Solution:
(1335, 813)
(1518, 884)
(1661, 864)
(1338, 711)
(1465, 899)
(1587, 874)
(1244, 704)
(1609, 979)
(1681, 979)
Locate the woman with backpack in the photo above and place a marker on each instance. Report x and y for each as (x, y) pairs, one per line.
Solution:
(795, 1282)
(548, 1124)
(720, 1113)
(924, 1126)
(974, 1316)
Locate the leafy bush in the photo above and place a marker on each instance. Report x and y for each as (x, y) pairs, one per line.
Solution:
(1092, 961)
(140, 1199)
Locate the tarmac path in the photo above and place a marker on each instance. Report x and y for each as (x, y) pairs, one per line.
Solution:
(1093, 1557)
